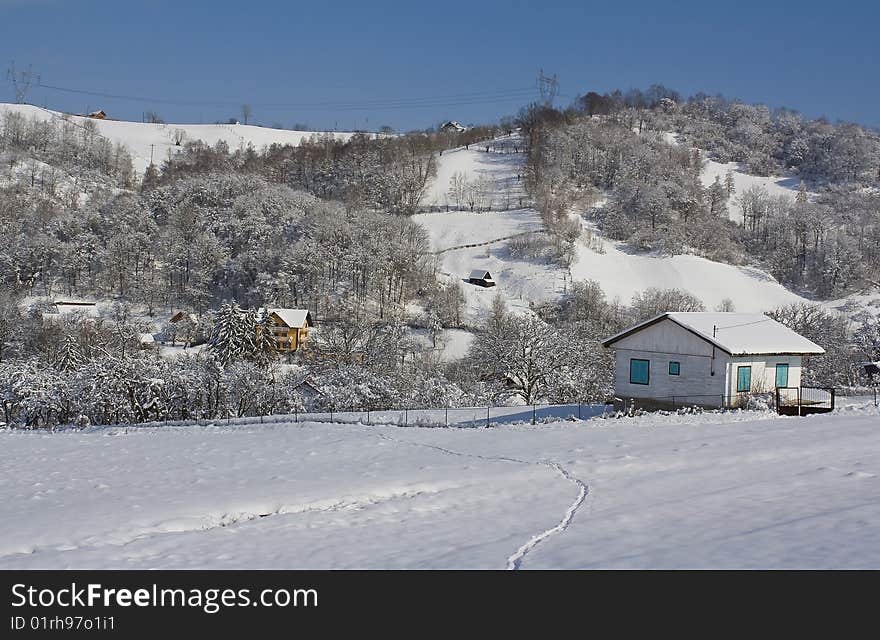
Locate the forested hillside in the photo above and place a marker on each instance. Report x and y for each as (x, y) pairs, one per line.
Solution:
(327, 225)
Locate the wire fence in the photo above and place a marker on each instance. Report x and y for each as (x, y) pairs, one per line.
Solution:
(487, 416)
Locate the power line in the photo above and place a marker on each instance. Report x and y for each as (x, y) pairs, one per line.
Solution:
(480, 97)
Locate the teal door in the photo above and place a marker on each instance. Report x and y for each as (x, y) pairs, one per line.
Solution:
(782, 375)
(743, 379)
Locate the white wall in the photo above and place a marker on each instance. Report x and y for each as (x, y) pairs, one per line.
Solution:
(763, 372)
(664, 342)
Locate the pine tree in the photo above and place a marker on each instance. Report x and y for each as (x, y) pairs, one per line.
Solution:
(265, 349)
(730, 183)
(233, 335)
(717, 196)
(69, 356)
(150, 179)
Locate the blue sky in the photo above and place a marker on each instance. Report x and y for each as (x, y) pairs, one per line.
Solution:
(412, 64)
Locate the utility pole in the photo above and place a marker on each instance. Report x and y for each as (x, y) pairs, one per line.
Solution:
(21, 81)
(548, 88)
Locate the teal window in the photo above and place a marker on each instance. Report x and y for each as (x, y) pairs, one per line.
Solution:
(674, 368)
(639, 371)
(743, 379)
(782, 375)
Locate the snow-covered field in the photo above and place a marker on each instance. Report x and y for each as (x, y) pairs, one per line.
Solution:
(146, 140)
(728, 490)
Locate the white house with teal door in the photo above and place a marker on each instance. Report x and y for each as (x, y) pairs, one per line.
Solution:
(705, 359)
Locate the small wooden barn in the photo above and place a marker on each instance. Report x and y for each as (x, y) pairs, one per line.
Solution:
(481, 278)
(706, 359)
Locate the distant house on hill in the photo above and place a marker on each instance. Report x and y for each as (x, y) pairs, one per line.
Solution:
(452, 125)
(481, 278)
(98, 115)
(291, 328)
(180, 316)
(705, 359)
(184, 326)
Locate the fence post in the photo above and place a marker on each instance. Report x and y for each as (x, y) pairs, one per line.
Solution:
(331, 415)
(673, 403)
(487, 417)
(406, 417)
(446, 417)
(579, 409)
(533, 414)
(799, 400)
(832, 397)
(368, 416)
(296, 414)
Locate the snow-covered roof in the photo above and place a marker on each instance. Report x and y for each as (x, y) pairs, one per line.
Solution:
(480, 274)
(452, 124)
(74, 306)
(180, 315)
(734, 333)
(293, 317)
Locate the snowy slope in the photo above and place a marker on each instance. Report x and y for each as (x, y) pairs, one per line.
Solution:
(620, 272)
(519, 281)
(500, 167)
(775, 185)
(623, 273)
(857, 305)
(139, 136)
(729, 490)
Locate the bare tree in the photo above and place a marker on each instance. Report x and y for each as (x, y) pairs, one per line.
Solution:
(246, 112)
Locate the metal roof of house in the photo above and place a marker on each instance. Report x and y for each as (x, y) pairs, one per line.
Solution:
(734, 333)
(480, 274)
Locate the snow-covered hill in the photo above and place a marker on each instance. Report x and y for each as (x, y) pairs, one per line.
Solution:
(713, 490)
(620, 272)
(145, 140)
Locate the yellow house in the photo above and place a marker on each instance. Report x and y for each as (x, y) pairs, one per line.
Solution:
(291, 328)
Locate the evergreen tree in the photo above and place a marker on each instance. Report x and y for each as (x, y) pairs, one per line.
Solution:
(69, 356)
(729, 183)
(233, 335)
(265, 348)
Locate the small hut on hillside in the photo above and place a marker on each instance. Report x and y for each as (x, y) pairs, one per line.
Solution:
(481, 278)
